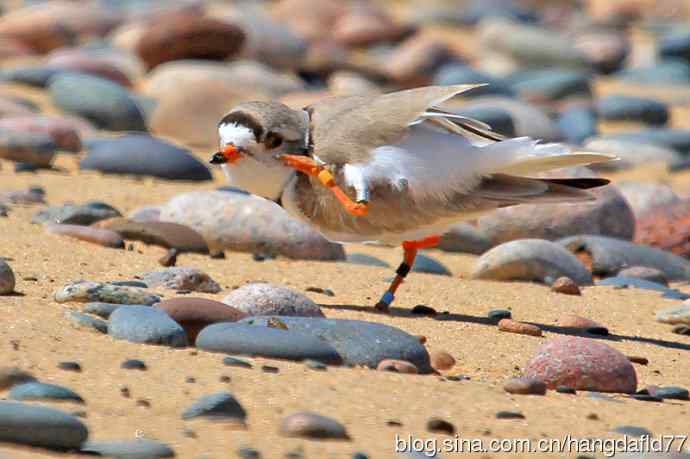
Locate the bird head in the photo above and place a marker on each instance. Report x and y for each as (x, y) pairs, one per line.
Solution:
(253, 135)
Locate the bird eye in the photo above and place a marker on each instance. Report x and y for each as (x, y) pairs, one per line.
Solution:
(273, 140)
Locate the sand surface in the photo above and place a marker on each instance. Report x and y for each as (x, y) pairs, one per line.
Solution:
(35, 336)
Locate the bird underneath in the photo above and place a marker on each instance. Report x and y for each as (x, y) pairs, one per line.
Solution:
(393, 169)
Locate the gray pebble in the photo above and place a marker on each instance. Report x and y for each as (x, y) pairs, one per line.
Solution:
(143, 324)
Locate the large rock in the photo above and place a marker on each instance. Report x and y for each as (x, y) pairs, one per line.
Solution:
(106, 104)
(181, 36)
(141, 154)
(143, 324)
(530, 260)
(607, 256)
(236, 221)
(582, 364)
(610, 215)
(358, 342)
(34, 425)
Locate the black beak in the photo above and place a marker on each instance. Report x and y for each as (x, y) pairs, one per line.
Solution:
(218, 158)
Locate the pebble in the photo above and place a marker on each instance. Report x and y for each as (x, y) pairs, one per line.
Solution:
(668, 392)
(85, 321)
(143, 155)
(630, 108)
(677, 314)
(667, 71)
(638, 359)
(42, 391)
(312, 425)
(238, 222)
(521, 328)
(530, 260)
(609, 256)
(99, 236)
(64, 130)
(441, 426)
(32, 195)
(441, 360)
(82, 61)
(40, 426)
(509, 415)
(323, 291)
(261, 299)
(423, 310)
(106, 104)
(269, 342)
(70, 366)
(496, 315)
(164, 234)
(72, 214)
(36, 149)
(426, 264)
(565, 285)
(231, 361)
(582, 323)
(676, 139)
(7, 279)
(397, 366)
(270, 369)
(681, 330)
(357, 342)
(101, 309)
(565, 390)
(645, 197)
(248, 453)
(140, 448)
(675, 45)
(181, 278)
(541, 86)
(633, 431)
(645, 273)
(609, 215)
(219, 406)
(188, 37)
(525, 386)
(144, 214)
(11, 376)
(143, 324)
(88, 291)
(194, 314)
(134, 364)
(582, 364)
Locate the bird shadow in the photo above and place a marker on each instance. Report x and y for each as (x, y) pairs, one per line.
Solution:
(466, 318)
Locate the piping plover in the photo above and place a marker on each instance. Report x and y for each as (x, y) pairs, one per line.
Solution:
(394, 168)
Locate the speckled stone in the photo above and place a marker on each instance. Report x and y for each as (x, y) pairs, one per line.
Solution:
(35, 425)
(142, 448)
(530, 260)
(143, 324)
(88, 291)
(235, 221)
(260, 299)
(312, 425)
(181, 278)
(583, 364)
(219, 406)
(42, 391)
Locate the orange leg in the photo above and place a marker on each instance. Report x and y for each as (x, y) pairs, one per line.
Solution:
(309, 167)
(410, 249)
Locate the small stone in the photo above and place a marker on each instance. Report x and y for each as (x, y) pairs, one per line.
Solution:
(323, 291)
(566, 286)
(441, 360)
(7, 280)
(312, 425)
(366, 260)
(133, 364)
(180, 278)
(426, 264)
(315, 365)
(565, 390)
(236, 362)
(270, 369)
(525, 386)
(101, 309)
(248, 453)
(437, 425)
(681, 330)
(85, 321)
(143, 324)
(629, 108)
(645, 273)
(593, 416)
(678, 314)
(70, 214)
(496, 315)
(259, 299)
(70, 366)
(34, 425)
(423, 310)
(220, 406)
(521, 328)
(42, 391)
(397, 366)
(143, 403)
(125, 392)
(169, 259)
(638, 359)
(509, 415)
(633, 431)
(668, 392)
(11, 376)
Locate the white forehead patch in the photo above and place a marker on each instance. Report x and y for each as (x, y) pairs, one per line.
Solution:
(236, 134)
